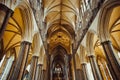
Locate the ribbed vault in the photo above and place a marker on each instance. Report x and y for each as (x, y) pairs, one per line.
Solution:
(59, 18)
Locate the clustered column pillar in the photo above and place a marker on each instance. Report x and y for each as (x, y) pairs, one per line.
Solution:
(112, 61)
(79, 73)
(39, 72)
(74, 66)
(5, 14)
(95, 68)
(48, 67)
(44, 74)
(21, 61)
(84, 68)
(83, 63)
(33, 67)
(72, 69)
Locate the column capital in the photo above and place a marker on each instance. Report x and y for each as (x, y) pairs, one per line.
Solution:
(39, 64)
(91, 55)
(21, 61)
(112, 59)
(83, 63)
(106, 42)
(26, 42)
(35, 55)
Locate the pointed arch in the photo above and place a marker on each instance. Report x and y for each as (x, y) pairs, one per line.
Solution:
(28, 28)
(104, 19)
(89, 43)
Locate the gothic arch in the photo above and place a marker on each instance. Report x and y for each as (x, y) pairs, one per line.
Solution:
(104, 19)
(28, 28)
(77, 59)
(93, 45)
(37, 45)
(82, 54)
(89, 43)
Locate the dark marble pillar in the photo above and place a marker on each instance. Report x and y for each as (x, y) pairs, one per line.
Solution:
(21, 61)
(79, 74)
(33, 67)
(112, 61)
(44, 75)
(39, 72)
(84, 69)
(95, 68)
(74, 62)
(48, 77)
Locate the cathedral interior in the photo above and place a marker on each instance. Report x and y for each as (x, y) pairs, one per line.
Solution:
(59, 39)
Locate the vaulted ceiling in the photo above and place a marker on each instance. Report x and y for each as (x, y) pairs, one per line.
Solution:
(59, 18)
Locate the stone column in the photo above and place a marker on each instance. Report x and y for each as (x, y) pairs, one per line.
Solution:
(112, 61)
(33, 68)
(21, 61)
(95, 68)
(7, 68)
(79, 74)
(39, 72)
(70, 71)
(48, 68)
(84, 69)
(5, 14)
(74, 63)
(44, 75)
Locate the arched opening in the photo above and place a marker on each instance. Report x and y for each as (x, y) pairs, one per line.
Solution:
(58, 69)
(59, 64)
